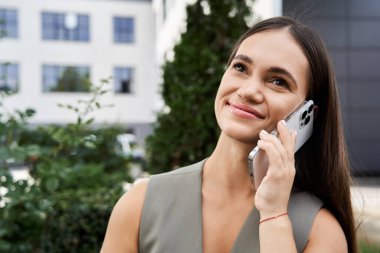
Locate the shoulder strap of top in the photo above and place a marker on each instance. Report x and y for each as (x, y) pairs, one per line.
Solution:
(303, 208)
(171, 219)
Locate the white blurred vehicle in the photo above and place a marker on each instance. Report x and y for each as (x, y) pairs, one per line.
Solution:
(130, 147)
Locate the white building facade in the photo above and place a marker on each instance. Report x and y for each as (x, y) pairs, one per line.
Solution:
(52, 49)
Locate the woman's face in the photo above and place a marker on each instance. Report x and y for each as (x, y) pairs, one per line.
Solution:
(264, 83)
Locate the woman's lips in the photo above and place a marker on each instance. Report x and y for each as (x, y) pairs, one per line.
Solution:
(244, 111)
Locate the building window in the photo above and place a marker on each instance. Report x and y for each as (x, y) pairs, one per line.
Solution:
(65, 26)
(66, 78)
(123, 30)
(8, 23)
(123, 78)
(9, 77)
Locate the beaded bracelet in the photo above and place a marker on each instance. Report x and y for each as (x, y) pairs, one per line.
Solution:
(272, 218)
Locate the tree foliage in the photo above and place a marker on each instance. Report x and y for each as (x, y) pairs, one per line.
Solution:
(189, 132)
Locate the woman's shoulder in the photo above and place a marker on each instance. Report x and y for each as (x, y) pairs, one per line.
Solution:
(131, 203)
(326, 234)
(315, 225)
(134, 196)
(123, 227)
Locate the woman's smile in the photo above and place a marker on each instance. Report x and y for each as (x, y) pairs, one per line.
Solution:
(244, 111)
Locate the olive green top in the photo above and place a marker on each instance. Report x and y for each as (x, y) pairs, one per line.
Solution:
(171, 220)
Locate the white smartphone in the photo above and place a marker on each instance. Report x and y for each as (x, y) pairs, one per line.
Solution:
(301, 120)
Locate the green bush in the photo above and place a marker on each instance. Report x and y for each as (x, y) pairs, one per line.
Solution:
(21, 219)
(77, 176)
(78, 221)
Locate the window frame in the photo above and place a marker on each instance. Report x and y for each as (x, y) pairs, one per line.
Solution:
(120, 36)
(5, 67)
(6, 25)
(56, 73)
(117, 87)
(53, 27)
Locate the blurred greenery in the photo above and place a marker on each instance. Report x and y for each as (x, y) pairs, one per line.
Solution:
(77, 175)
(186, 130)
(368, 248)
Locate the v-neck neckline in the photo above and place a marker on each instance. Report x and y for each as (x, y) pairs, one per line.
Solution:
(248, 236)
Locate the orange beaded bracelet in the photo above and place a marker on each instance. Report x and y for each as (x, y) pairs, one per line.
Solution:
(272, 218)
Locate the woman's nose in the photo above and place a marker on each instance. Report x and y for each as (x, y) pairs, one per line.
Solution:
(251, 91)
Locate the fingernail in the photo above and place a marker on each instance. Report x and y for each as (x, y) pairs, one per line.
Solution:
(283, 122)
(264, 132)
(295, 133)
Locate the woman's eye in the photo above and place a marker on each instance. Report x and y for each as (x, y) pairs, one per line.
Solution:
(280, 82)
(239, 67)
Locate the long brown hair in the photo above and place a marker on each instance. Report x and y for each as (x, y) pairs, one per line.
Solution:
(323, 168)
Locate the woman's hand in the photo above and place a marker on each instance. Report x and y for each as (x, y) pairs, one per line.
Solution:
(273, 194)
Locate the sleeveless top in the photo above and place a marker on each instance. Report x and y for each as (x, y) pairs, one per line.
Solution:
(171, 219)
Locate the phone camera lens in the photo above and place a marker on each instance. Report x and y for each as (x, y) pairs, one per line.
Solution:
(304, 114)
(307, 120)
(310, 109)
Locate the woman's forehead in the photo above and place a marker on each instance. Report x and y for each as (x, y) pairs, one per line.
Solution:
(276, 48)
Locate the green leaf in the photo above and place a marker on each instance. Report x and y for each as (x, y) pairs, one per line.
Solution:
(30, 112)
(52, 184)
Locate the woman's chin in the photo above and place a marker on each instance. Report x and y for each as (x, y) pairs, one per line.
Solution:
(243, 137)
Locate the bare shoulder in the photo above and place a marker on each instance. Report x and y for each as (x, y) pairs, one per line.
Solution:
(124, 224)
(326, 235)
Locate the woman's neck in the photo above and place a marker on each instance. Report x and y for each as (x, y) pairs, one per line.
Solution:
(227, 167)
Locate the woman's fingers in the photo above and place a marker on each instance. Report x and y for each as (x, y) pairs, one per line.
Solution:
(280, 151)
(274, 157)
(272, 144)
(288, 139)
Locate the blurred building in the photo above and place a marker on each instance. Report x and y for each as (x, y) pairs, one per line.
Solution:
(350, 29)
(53, 49)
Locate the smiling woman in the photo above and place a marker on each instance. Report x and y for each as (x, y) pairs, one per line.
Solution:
(261, 78)
(212, 206)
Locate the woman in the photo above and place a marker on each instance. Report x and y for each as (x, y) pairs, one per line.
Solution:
(303, 202)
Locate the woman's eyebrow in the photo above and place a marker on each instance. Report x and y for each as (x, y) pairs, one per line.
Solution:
(245, 58)
(282, 71)
(274, 70)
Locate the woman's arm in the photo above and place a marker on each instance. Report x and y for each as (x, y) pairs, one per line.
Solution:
(123, 228)
(277, 236)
